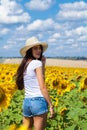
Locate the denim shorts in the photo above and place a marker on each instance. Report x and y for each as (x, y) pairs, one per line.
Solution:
(34, 106)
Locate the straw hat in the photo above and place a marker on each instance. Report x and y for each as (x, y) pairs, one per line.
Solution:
(31, 42)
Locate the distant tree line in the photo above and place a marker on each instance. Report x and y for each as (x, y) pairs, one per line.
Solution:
(70, 58)
(57, 57)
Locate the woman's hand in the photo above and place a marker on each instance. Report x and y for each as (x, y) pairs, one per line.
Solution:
(51, 109)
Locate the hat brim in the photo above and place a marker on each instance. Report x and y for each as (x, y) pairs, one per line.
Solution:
(24, 49)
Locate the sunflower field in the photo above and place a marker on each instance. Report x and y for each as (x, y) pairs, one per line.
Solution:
(67, 88)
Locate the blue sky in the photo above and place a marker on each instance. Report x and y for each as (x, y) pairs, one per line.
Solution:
(60, 23)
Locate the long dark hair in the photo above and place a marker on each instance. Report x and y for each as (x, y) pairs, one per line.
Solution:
(22, 67)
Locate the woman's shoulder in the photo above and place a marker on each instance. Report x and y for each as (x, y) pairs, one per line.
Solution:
(36, 63)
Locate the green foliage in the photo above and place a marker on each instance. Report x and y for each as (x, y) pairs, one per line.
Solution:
(12, 115)
(70, 114)
(75, 115)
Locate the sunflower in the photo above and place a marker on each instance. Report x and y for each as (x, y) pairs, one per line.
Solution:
(3, 77)
(78, 78)
(63, 85)
(62, 111)
(72, 86)
(2, 95)
(12, 127)
(85, 81)
(83, 84)
(56, 83)
(2, 99)
(60, 92)
(23, 127)
(56, 102)
(7, 91)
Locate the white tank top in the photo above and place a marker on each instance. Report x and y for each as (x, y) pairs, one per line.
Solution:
(31, 85)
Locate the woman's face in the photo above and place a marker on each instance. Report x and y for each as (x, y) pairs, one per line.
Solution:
(36, 51)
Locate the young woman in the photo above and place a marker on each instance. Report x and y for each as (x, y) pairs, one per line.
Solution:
(30, 77)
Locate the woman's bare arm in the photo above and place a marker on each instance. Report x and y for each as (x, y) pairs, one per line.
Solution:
(44, 91)
(42, 85)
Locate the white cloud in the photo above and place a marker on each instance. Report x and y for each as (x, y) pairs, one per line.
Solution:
(56, 35)
(73, 11)
(11, 12)
(74, 6)
(73, 15)
(4, 31)
(75, 45)
(39, 4)
(51, 40)
(68, 33)
(41, 25)
(65, 38)
(70, 41)
(81, 30)
(15, 19)
(11, 7)
(20, 28)
(54, 38)
(83, 38)
(7, 47)
(10, 44)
